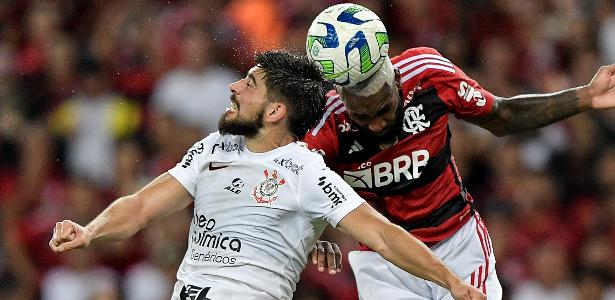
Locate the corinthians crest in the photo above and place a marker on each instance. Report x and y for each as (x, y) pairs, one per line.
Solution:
(265, 191)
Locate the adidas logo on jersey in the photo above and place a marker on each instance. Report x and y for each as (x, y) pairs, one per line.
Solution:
(356, 147)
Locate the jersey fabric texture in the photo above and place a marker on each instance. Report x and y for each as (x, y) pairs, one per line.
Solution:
(415, 182)
(256, 217)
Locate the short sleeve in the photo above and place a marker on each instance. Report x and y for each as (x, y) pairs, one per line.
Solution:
(187, 170)
(325, 195)
(464, 96)
(425, 67)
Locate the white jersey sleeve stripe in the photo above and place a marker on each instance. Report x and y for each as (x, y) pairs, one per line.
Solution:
(422, 62)
(330, 99)
(408, 76)
(421, 56)
(336, 103)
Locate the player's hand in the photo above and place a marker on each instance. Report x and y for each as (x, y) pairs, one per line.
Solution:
(68, 235)
(464, 291)
(602, 88)
(327, 256)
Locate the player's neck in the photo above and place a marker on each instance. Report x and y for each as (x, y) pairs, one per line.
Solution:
(269, 139)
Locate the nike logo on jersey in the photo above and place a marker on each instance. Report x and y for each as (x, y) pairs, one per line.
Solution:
(216, 166)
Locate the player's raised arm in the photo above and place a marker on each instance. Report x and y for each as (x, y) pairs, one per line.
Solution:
(527, 112)
(402, 249)
(125, 216)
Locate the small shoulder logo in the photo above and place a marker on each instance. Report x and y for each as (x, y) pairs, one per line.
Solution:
(216, 166)
(265, 191)
(192, 152)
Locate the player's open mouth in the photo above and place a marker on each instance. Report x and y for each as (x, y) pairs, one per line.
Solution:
(233, 106)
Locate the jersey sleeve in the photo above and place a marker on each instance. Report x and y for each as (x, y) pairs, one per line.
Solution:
(462, 95)
(325, 195)
(187, 170)
(322, 139)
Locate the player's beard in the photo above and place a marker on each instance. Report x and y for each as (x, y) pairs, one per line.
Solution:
(239, 126)
(390, 137)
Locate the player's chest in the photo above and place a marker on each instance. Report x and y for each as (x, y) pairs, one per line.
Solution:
(239, 185)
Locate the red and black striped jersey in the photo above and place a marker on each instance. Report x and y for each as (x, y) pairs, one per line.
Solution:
(415, 182)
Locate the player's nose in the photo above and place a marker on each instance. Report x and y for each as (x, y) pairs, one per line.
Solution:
(377, 125)
(235, 86)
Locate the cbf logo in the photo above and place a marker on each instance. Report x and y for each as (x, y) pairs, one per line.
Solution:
(266, 190)
(235, 186)
(414, 120)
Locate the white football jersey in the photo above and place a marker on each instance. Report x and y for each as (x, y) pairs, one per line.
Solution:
(256, 217)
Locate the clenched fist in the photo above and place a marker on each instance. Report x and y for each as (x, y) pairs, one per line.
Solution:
(68, 235)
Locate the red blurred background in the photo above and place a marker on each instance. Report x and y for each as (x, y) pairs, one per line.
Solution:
(99, 97)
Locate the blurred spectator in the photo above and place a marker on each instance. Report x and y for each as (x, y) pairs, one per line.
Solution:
(605, 10)
(593, 283)
(189, 100)
(551, 277)
(92, 122)
(547, 196)
(260, 21)
(153, 278)
(80, 278)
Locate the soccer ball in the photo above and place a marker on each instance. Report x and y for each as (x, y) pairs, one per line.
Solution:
(348, 42)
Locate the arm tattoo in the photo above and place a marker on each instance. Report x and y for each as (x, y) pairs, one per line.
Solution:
(527, 112)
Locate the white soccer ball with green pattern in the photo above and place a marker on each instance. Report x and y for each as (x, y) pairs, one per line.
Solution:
(349, 43)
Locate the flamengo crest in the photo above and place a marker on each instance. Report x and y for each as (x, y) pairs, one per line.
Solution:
(265, 191)
(414, 120)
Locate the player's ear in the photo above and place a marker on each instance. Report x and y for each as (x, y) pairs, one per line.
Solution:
(397, 78)
(275, 111)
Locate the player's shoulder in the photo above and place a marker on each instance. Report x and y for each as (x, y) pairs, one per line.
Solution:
(415, 52)
(334, 113)
(216, 142)
(298, 159)
(302, 153)
(333, 103)
(415, 65)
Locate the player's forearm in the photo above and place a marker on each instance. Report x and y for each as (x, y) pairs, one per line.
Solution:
(527, 112)
(118, 221)
(410, 254)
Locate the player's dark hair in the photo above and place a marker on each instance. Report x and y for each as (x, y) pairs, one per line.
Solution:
(298, 83)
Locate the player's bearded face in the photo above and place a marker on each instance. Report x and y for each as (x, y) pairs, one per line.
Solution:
(241, 125)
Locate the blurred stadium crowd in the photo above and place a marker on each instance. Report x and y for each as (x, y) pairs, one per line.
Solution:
(98, 97)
